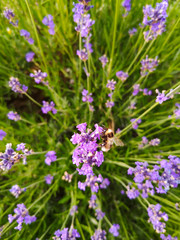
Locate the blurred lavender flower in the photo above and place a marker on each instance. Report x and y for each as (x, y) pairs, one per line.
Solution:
(86, 72)
(9, 14)
(136, 89)
(83, 54)
(86, 97)
(177, 110)
(132, 32)
(74, 210)
(135, 125)
(39, 77)
(66, 234)
(16, 190)
(48, 107)
(169, 237)
(86, 151)
(111, 84)
(155, 18)
(161, 97)
(92, 182)
(109, 104)
(21, 215)
(132, 105)
(26, 151)
(99, 214)
(114, 230)
(122, 75)
(92, 201)
(13, 116)
(67, 177)
(99, 235)
(50, 157)
(146, 91)
(29, 56)
(148, 65)
(132, 193)
(87, 44)
(16, 86)
(26, 34)
(155, 142)
(155, 216)
(159, 178)
(48, 21)
(127, 5)
(48, 179)
(122, 192)
(2, 134)
(104, 60)
(83, 20)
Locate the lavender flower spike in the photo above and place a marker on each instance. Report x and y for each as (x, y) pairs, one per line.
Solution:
(2, 134)
(48, 179)
(29, 56)
(114, 230)
(16, 86)
(122, 75)
(48, 21)
(39, 77)
(161, 97)
(13, 116)
(104, 60)
(99, 235)
(16, 190)
(26, 34)
(48, 107)
(21, 216)
(50, 157)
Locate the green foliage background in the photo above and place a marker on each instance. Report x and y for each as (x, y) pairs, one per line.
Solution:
(56, 55)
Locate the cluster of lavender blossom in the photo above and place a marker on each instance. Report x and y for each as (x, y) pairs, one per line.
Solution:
(39, 77)
(10, 157)
(127, 5)
(86, 155)
(21, 216)
(9, 14)
(148, 65)
(87, 97)
(146, 142)
(16, 86)
(16, 190)
(158, 179)
(155, 18)
(135, 123)
(84, 24)
(2, 134)
(111, 86)
(137, 89)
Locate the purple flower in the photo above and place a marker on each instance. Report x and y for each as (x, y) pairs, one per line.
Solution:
(92, 182)
(122, 192)
(21, 215)
(104, 60)
(136, 89)
(109, 104)
(9, 14)
(169, 237)
(16, 86)
(29, 56)
(92, 202)
(66, 234)
(111, 84)
(132, 193)
(155, 18)
(67, 177)
(16, 190)
(48, 21)
(155, 216)
(26, 151)
(13, 116)
(122, 75)
(86, 151)
(48, 179)
(83, 54)
(155, 142)
(20, 146)
(74, 210)
(26, 34)
(2, 134)
(114, 230)
(86, 97)
(161, 97)
(86, 72)
(99, 235)
(177, 110)
(50, 157)
(99, 214)
(135, 124)
(83, 20)
(39, 77)
(148, 65)
(48, 107)
(127, 5)
(132, 32)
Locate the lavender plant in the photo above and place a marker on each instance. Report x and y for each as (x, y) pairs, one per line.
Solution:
(89, 134)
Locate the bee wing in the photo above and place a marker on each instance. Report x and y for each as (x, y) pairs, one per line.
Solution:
(118, 142)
